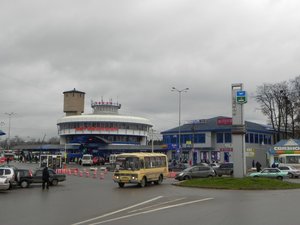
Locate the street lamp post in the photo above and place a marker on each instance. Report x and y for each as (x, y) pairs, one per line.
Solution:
(9, 119)
(179, 116)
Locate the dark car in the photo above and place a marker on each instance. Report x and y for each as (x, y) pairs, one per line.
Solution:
(26, 177)
(224, 169)
(54, 177)
(195, 172)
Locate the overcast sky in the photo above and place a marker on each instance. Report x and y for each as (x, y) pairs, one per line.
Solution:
(136, 51)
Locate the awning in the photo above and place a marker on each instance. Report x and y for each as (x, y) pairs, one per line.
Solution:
(2, 133)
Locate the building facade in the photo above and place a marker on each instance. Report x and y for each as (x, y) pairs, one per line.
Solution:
(104, 128)
(211, 140)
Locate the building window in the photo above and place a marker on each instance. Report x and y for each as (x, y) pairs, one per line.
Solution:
(199, 138)
(220, 138)
(256, 138)
(267, 139)
(227, 137)
(247, 138)
(174, 139)
(261, 139)
(251, 138)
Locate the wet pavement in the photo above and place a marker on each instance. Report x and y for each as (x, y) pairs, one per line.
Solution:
(88, 200)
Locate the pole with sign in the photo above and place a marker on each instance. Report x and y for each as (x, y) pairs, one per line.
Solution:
(239, 97)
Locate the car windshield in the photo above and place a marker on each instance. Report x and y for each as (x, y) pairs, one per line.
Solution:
(128, 163)
(293, 168)
(86, 157)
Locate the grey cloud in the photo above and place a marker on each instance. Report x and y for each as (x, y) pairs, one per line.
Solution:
(135, 51)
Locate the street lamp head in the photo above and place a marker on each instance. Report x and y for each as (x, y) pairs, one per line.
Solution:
(179, 91)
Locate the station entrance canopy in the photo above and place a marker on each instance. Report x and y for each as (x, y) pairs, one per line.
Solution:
(291, 146)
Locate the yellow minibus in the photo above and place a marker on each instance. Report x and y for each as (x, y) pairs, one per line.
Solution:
(140, 168)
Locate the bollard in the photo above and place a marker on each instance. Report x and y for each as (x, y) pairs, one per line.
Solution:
(95, 174)
(75, 172)
(87, 174)
(105, 170)
(80, 174)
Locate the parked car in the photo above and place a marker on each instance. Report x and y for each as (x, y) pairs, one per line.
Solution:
(24, 177)
(195, 172)
(214, 165)
(4, 183)
(270, 173)
(10, 173)
(37, 177)
(224, 169)
(2, 159)
(292, 171)
(87, 159)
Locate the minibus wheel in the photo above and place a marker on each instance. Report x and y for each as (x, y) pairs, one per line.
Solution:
(143, 182)
(160, 180)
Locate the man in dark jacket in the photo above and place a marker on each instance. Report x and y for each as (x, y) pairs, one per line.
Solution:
(258, 166)
(46, 176)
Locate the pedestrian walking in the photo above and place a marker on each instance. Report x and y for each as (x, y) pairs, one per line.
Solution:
(46, 176)
(7, 160)
(258, 166)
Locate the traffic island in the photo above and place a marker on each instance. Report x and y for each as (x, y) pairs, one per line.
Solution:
(246, 183)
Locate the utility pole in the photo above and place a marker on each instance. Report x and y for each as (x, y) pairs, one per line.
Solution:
(9, 123)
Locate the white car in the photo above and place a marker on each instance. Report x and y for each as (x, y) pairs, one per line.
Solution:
(87, 160)
(4, 183)
(292, 171)
(10, 173)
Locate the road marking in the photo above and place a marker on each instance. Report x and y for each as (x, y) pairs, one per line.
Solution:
(121, 210)
(151, 206)
(153, 210)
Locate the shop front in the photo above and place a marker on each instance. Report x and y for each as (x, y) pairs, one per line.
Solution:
(284, 147)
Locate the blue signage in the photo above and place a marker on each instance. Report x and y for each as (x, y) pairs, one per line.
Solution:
(241, 97)
(240, 93)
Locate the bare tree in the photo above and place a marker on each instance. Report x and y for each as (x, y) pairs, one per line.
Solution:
(272, 102)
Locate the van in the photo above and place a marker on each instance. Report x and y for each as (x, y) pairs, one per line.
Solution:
(87, 160)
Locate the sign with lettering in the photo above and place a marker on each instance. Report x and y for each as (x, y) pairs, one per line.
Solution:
(224, 121)
(241, 97)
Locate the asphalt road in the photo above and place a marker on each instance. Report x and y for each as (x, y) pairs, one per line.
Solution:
(82, 200)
